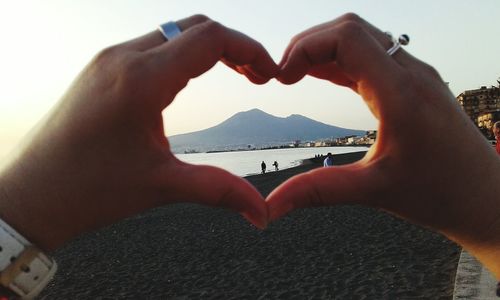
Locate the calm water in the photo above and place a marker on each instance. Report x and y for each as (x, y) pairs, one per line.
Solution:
(248, 162)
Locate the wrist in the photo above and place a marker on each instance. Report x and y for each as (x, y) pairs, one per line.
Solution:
(24, 269)
(25, 204)
(479, 229)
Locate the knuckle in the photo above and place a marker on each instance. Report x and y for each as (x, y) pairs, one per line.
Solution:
(259, 45)
(103, 64)
(296, 39)
(351, 29)
(199, 18)
(106, 55)
(430, 71)
(212, 26)
(351, 17)
(301, 46)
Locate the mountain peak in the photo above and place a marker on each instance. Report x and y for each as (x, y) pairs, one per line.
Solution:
(259, 112)
(252, 114)
(254, 110)
(296, 116)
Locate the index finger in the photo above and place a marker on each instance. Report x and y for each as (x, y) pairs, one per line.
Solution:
(348, 44)
(201, 46)
(359, 57)
(403, 57)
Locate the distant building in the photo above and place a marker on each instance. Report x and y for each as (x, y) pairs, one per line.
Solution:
(354, 140)
(348, 140)
(372, 134)
(485, 123)
(482, 106)
(370, 137)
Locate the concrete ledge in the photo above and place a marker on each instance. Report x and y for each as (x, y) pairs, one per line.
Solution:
(473, 281)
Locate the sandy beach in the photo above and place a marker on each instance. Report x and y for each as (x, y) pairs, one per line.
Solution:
(187, 251)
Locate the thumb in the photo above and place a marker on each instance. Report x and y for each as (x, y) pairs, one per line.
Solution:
(213, 186)
(352, 183)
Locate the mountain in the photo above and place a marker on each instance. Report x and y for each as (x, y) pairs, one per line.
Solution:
(257, 128)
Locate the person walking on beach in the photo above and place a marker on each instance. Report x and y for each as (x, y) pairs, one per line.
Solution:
(275, 164)
(263, 167)
(328, 162)
(496, 132)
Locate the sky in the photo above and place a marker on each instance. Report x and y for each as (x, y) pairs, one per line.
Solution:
(45, 44)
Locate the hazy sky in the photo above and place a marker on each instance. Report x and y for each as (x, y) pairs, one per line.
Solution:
(46, 43)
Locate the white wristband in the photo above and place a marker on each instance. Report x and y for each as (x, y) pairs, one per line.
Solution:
(24, 269)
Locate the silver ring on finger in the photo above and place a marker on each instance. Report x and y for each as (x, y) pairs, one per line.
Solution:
(403, 40)
(170, 30)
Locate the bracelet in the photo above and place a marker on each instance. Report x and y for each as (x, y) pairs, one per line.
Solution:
(24, 269)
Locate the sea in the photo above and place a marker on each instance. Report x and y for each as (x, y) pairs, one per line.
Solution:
(243, 163)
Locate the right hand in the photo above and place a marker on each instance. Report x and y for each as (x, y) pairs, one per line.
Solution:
(429, 165)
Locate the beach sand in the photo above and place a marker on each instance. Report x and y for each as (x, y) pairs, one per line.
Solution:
(187, 251)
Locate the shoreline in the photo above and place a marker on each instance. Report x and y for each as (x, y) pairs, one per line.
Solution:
(188, 251)
(270, 148)
(265, 183)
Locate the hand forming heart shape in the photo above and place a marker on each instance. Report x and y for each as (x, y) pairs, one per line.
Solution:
(101, 155)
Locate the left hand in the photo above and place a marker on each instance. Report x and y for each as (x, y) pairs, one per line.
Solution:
(101, 155)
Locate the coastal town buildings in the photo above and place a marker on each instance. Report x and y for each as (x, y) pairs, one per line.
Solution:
(350, 140)
(366, 140)
(482, 106)
(371, 136)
